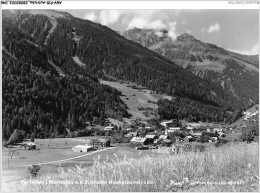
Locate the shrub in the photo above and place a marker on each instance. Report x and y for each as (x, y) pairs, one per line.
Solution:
(199, 148)
(221, 142)
(33, 171)
(250, 133)
(16, 137)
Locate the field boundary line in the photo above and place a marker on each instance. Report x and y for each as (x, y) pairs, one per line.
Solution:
(43, 163)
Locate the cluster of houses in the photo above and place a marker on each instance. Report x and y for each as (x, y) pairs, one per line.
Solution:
(183, 133)
(248, 115)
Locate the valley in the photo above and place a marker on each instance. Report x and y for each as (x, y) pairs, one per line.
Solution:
(84, 102)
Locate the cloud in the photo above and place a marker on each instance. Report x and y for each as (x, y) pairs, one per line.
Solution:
(184, 22)
(146, 23)
(159, 33)
(253, 51)
(189, 31)
(108, 17)
(214, 28)
(172, 30)
(91, 16)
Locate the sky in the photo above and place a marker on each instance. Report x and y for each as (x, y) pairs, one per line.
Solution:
(235, 30)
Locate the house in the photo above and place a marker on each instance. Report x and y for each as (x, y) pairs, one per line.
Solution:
(30, 145)
(138, 141)
(213, 136)
(82, 148)
(100, 143)
(189, 127)
(209, 130)
(148, 128)
(162, 137)
(150, 138)
(109, 128)
(213, 139)
(217, 129)
(132, 134)
(196, 135)
(167, 142)
(165, 122)
(221, 134)
(188, 138)
(171, 130)
(194, 125)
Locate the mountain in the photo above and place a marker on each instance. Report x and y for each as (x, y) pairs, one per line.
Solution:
(237, 74)
(52, 62)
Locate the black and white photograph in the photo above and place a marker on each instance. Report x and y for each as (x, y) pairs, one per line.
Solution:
(153, 99)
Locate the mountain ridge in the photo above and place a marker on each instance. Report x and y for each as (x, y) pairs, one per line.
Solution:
(204, 59)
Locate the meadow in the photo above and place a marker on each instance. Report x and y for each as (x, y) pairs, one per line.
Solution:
(233, 167)
(57, 153)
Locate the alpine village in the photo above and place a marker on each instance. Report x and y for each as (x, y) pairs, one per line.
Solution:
(83, 103)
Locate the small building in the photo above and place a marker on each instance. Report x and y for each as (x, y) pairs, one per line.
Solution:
(188, 138)
(209, 130)
(189, 127)
(138, 141)
(150, 138)
(217, 129)
(165, 122)
(82, 148)
(30, 145)
(131, 134)
(171, 130)
(109, 128)
(213, 139)
(162, 137)
(196, 134)
(221, 134)
(100, 143)
(167, 142)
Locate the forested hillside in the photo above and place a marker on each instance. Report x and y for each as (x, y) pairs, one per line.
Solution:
(37, 99)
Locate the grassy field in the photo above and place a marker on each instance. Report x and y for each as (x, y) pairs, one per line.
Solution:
(136, 98)
(57, 150)
(234, 167)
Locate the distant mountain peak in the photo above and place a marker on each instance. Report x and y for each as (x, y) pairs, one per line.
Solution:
(186, 36)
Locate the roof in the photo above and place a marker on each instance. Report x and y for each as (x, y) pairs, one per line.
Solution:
(103, 140)
(109, 127)
(82, 146)
(213, 134)
(163, 137)
(165, 122)
(189, 137)
(174, 128)
(138, 139)
(30, 143)
(196, 134)
(167, 141)
(150, 136)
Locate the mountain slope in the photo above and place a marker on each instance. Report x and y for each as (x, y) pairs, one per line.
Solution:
(42, 98)
(236, 73)
(105, 53)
